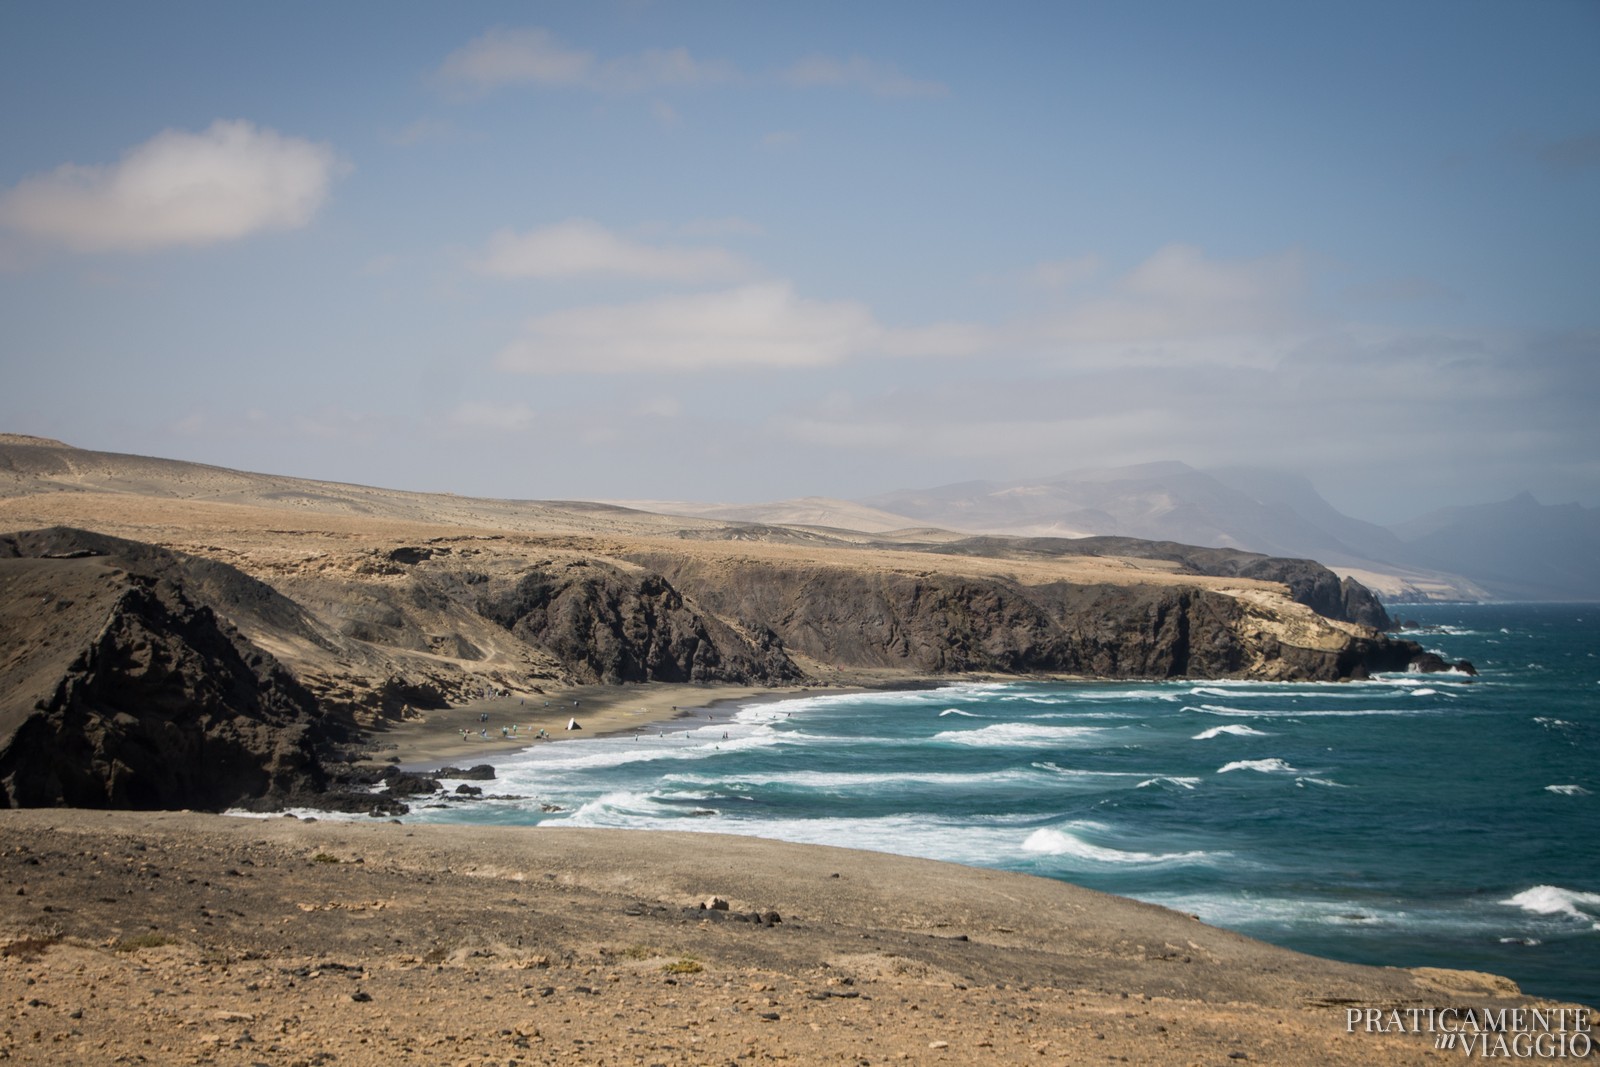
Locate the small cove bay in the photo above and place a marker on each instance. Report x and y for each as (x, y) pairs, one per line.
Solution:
(1410, 820)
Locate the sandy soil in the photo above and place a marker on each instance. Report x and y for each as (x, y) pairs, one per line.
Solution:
(179, 938)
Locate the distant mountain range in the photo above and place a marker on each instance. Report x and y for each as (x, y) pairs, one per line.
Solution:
(1515, 550)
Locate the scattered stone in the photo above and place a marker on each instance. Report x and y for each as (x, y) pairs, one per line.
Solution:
(483, 772)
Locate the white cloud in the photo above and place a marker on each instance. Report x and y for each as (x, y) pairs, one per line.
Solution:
(579, 248)
(859, 72)
(533, 56)
(1180, 295)
(759, 325)
(178, 188)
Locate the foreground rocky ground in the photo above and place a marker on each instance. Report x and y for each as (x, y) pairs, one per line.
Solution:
(178, 938)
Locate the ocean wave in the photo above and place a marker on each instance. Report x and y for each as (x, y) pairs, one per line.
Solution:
(1272, 765)
(1074, 772)
(1554, 900)
(1306, 713)
(854, 783)
(1129, 694)
(1053, 842)
(1169, 780)
(1567, 790)
(958, 711)
(1022, 735)
(1231, 729)
(1329, 782)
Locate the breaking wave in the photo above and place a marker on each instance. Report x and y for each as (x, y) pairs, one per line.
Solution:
(1265, 766)
(1554, 900)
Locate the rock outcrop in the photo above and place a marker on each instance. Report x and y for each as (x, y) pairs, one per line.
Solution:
(610, 626)
(937, 623)
(1308, 582)
(121, 691)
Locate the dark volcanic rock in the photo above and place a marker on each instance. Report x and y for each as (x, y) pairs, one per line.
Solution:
(481, 772)
(404, 784)
(938, 623)
(121, 691)
(612, 626)
(1309, 582)
(1433, 663)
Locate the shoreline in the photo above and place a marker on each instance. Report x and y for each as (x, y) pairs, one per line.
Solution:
(432, 739)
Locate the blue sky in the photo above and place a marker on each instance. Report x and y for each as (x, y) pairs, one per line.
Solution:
(745, 251)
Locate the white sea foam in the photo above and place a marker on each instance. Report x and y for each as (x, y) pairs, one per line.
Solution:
(1272, 765)
(958, 711)
(1568, 790)
(1053, 842)
(1554, 900)
(1169, 780)
(1231, 729)
(1329, 782)
(1128, 694)
(1023, 735)
(1424, 691)
(1311, 713)
(1074, 772)
(853, 783)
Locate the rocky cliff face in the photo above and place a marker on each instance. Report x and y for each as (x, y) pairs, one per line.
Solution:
(933, 623)
(1308, 582)
(610, 626)
(121, 691)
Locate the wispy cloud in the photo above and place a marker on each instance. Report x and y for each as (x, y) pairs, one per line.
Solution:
(881, 79)
(1179, 294)
(760, 325)
(581, 248)
(533, 56)
(178, 188)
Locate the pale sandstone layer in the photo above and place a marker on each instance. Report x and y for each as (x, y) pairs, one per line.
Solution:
(179, 938)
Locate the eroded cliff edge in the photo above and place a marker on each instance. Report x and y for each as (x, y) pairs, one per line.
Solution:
(140, 675)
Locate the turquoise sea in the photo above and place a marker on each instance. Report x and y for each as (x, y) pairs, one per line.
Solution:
(1409, 820)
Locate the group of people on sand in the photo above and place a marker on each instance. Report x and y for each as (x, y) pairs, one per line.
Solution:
(507, 733)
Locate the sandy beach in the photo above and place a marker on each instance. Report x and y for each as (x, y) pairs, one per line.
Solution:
(431, 739)
(181, 938)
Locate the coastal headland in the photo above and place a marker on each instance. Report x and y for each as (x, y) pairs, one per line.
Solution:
(187, 637)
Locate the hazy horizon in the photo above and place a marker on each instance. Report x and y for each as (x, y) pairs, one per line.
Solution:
(728, 252)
